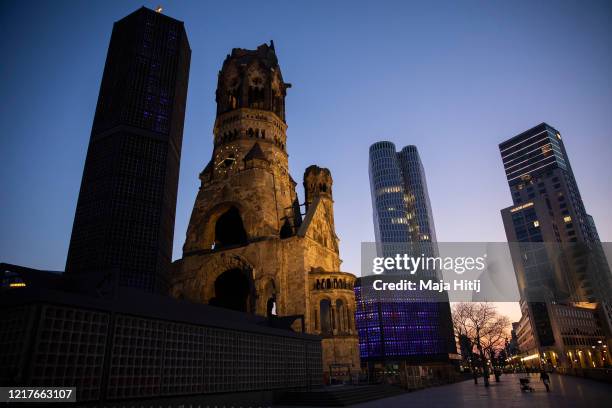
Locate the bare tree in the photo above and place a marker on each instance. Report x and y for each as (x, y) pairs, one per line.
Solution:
(493, 339)
(460, 313)
(485, 328)
(464, 340)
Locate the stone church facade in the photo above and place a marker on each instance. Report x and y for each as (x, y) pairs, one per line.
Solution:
(249, 246)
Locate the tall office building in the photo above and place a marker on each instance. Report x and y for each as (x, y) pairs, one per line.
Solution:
(402, 329)
(400, 201)
(124, 223)
(563, 277)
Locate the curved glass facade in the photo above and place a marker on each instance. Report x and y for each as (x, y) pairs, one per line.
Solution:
(413, 175)
(388, 195)
(397, 328)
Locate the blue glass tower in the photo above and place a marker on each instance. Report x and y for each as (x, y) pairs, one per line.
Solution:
(415, 185)
(395, 330)
(400, 200)
(388, 195)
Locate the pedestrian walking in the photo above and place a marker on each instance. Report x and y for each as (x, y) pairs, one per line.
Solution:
(545, 379)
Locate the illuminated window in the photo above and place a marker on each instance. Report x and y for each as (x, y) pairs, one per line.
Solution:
(385, 190)
(567, 218)
(521, 207)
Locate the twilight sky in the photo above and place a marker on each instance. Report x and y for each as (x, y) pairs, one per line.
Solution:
(453, 78)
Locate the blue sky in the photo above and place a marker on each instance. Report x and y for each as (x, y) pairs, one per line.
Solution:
(453, 78)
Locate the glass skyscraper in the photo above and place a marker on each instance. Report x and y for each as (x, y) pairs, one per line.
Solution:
(397, 328)
(402, 211)
(559, 263)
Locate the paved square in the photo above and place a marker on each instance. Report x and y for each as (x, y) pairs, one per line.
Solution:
(566, 391)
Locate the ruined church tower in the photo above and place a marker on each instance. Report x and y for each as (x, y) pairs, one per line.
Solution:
(248, 245)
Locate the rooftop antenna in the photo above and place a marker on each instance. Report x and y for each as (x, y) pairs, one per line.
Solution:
(159, 9)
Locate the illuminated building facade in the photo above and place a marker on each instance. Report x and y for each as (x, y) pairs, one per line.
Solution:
(400, 201)
(398, 329)
(563, 278)
(124, 223)
(248, 247)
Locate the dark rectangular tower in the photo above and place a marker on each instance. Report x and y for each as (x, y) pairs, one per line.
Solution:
(548, 207)
(124, 223)
(558, 259)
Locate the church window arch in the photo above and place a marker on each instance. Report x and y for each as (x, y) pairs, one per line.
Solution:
(271, 307)
(229, 229)
(341, 315)
(326, 316)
